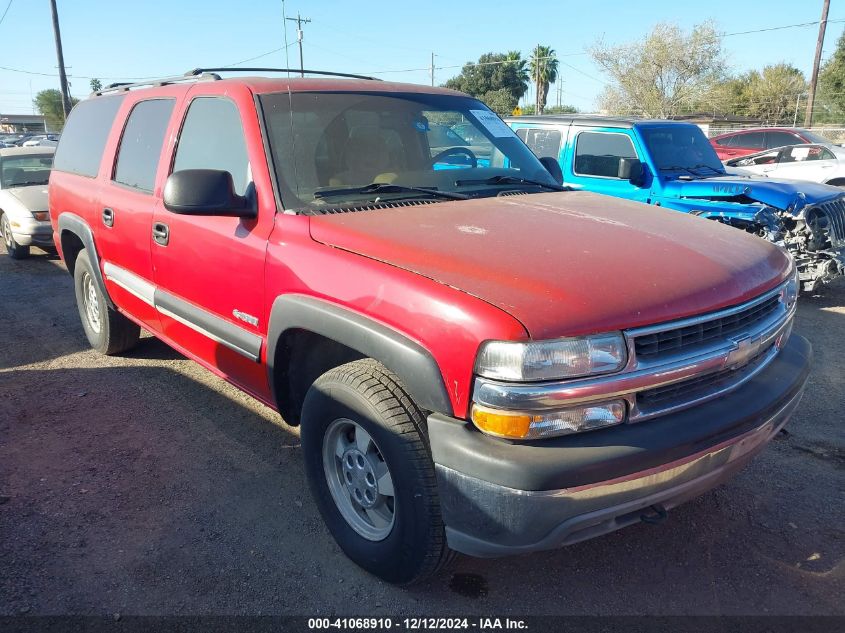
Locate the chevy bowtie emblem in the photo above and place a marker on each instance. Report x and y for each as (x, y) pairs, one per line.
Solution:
(246, 318)
(744, 350)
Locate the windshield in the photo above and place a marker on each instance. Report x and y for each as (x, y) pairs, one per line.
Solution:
(327, 147)
(683, 149)
(22, 171)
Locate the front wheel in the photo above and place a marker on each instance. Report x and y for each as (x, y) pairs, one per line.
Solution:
(371, 474)
(15, 250)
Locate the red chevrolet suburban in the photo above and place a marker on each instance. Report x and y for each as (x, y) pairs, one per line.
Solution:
(479, 360)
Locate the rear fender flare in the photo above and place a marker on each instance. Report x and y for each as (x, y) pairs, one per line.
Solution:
(72, 223)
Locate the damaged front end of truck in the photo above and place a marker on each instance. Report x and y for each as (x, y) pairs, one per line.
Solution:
(805, 219)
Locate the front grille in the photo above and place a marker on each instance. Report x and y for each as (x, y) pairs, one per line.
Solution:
(671, 342)
(835, 212)
(668, 396)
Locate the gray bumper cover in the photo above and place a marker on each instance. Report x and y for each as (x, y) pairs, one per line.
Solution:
(486, 515)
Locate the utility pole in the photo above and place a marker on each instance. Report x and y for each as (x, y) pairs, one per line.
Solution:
(432, 69)
(537, 79)
(66, 105)
(299, 22)
(811, 96)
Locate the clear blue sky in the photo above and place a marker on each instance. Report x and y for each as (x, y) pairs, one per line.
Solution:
(118, 40)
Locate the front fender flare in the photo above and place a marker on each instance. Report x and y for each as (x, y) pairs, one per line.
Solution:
(414, 364)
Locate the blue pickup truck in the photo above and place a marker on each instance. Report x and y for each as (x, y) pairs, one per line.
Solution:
(672, 164)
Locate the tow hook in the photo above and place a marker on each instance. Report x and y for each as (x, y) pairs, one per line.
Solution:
(654, 515)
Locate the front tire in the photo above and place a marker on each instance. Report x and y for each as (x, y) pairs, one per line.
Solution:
(15, 250)
(370, 471)
(108, 331)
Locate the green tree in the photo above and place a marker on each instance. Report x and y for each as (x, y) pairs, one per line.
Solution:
(500, 101)
(543, 65)
(492, 72)
(658, 75)
(772, 93)
(96, 85)
(49, 105)
(830, 96)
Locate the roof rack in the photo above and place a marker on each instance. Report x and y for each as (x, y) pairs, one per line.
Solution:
(199, 71)
(189, 76)
(210, 74)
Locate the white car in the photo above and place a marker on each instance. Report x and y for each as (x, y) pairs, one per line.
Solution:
(814, 162)
(24, 212)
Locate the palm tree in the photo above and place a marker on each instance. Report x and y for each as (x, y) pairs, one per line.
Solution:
(543, 67)
(515, 61)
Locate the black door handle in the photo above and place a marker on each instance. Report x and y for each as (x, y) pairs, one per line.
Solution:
(108, 217)
(161, 233)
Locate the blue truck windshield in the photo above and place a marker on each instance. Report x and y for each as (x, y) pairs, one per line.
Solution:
(681, 150)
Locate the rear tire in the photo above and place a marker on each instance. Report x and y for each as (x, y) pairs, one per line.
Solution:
(370, 471)
(15, 250)
(108, 331)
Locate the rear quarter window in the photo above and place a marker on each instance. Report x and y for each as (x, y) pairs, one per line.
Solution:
(542, 142)
(83, 140)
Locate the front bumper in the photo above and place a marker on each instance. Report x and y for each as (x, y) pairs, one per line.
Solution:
(31, 232)
(501, 498)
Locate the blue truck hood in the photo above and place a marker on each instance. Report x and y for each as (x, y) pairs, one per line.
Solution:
(787, 195)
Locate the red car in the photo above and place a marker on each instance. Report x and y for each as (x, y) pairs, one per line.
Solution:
(744, 142)
(478, 359)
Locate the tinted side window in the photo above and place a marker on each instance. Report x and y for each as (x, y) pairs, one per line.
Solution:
(212, 137)
(725, 141)
(779, 139)
(752, 139)
(84, 137)
(542, 142)
(140, 146)
(598, 153)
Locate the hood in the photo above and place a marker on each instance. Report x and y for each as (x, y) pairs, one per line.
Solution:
(781, 194)
(569, 263)
(33, 197)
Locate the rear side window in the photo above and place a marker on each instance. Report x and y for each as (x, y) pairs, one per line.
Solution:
(727, 140)
(753, 140)
(779, 139)
(213, 138)
(140, 146)
(541, 142)
(84, 137)
(598, 153)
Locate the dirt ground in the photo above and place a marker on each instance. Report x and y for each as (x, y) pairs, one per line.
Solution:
(143, 484)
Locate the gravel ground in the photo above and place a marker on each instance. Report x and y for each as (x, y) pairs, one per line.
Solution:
(143, 484)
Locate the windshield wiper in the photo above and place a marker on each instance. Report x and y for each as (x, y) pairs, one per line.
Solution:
(383, 187)
(510, 180)
(713, 169)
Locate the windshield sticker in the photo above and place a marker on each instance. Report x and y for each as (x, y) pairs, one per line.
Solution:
(800, 153)
(492, 122)
(421, 125)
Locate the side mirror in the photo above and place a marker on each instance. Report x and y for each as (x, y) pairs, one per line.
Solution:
(630, 169)
(205, 192)
(553, 167)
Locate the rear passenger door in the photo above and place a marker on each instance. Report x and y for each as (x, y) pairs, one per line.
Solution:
(544, 140)
(209, 270)
(126, 206)
(592, 162)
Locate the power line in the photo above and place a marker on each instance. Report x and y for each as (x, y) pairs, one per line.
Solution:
(3, 17)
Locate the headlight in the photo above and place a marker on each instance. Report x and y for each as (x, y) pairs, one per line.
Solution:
(529, 426)
(553, 359)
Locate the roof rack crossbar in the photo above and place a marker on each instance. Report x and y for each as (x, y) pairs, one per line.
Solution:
(163, 81)
(198, 71)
